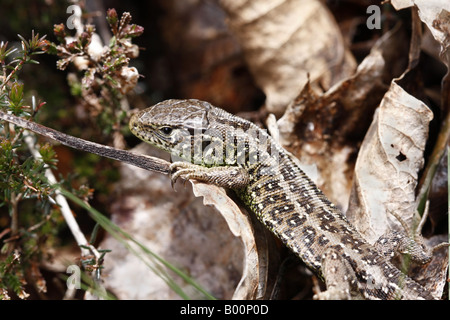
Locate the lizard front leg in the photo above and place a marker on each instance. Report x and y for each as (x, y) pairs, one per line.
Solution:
(227, 176)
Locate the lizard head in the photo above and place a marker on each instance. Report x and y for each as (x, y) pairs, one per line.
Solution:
(200, 133)
(171, 125)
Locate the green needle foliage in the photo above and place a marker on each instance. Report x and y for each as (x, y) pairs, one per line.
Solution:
(104, 76)
(25, 193)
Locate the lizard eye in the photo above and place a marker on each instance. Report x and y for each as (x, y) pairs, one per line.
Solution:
(166, 130)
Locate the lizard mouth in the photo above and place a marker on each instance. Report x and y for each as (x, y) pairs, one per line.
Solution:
(132, 121)
(135, 127)
(152, 134)
(134, 124)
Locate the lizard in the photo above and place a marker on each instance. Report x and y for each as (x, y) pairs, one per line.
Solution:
(220, 148)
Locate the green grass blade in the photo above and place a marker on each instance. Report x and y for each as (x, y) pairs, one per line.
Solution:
(158, 265)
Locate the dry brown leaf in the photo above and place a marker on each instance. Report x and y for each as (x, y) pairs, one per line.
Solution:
(387, 167)
(436, 15)
(253, 284)
(177, 226)
(284, 41)
(386, 178)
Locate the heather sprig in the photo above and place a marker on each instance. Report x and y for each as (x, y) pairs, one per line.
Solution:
(101, 76)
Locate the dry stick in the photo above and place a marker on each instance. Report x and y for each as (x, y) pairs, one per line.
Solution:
(65, 210)
(62, 202)
(138, 160)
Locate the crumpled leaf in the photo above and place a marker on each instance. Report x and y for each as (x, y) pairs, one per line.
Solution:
(284, 41)
(205, 56)
(436, 15)
(177, 226)
(387, 167)
(253, 284)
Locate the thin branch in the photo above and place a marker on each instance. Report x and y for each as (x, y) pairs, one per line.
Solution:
(15, 199)
(61, 201)
(138, 160)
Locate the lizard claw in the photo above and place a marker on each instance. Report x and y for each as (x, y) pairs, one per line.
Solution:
(181, 170)
(173, 174)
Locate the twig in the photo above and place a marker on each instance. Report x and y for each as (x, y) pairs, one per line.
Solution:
(61, 201)
(141, 161)
(15, 199)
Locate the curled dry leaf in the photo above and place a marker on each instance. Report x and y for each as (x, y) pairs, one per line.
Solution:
(206, 56)
(387, 167)
(177, 226)
(253, 283)
(284, 41)
(436, 15)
